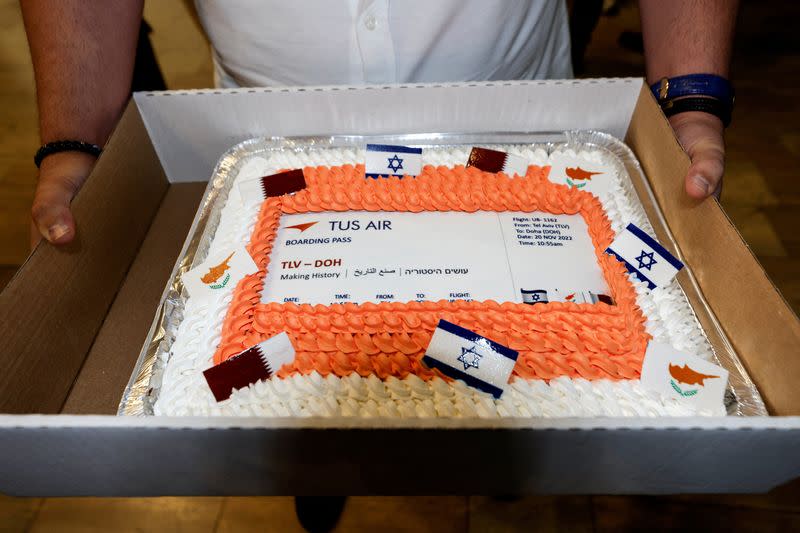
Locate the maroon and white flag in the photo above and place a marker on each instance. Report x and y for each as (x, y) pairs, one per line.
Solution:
(257, 363)
(496, 161)
(274, 185)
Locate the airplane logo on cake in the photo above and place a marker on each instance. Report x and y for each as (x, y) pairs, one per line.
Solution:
(212, 277)
(577, 177)
(684, 374)
(301, 227)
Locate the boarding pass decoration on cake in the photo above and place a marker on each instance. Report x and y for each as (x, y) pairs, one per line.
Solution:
(496, 161)
(463, 354)
(688, 378)
(384, 160)
(578, 173)
(257, 363)
(645, 257)
(359, 257)
(219, 273)
(260, 189)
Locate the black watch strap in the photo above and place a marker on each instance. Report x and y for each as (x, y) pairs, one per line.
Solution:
(713, 106)
(708, 93)
(65, 146)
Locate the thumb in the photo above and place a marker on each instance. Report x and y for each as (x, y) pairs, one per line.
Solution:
(60, 177)
(704, 177)
(50, 210)
(701, 135)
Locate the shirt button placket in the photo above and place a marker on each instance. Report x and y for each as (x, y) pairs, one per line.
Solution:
(375, 43)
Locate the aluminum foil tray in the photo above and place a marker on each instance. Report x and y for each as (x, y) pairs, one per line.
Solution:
(741, 399)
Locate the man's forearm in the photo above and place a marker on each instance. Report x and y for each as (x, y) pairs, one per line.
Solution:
(687, 36)
(83, 53)
(692, 37)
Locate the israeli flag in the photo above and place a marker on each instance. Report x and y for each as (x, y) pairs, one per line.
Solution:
(389, 160)
(462, 354)
(535, 296)
(643, 256)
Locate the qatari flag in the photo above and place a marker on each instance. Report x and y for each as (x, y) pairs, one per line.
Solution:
(273, 185)
(257, 363)
(496, 161)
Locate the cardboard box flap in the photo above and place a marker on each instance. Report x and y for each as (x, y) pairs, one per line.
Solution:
(67, 290)
(107, 368)
(757, 320)
(192, 129)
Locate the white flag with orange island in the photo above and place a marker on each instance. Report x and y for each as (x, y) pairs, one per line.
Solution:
(677, 374)
(220, 272)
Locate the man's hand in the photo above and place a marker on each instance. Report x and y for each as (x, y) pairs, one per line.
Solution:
(60, 177)
(83, 54)
(692, 38)
(700, 134)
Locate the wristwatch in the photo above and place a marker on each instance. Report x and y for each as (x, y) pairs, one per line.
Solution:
(708, 93)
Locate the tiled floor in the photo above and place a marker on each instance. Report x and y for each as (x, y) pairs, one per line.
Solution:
(760, 196)
(778, 511)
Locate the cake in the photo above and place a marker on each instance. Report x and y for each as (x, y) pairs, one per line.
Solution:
(364, 359)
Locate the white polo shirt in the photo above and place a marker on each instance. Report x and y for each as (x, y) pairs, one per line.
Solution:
(326, 42)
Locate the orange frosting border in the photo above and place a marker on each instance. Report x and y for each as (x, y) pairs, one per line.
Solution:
(592, 341)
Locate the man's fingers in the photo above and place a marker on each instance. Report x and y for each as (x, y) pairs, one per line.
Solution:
(705, 174)
(50, 210)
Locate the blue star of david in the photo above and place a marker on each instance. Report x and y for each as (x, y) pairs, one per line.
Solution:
(469, 357)
(646, 260)
(536, 297)
(395, 163)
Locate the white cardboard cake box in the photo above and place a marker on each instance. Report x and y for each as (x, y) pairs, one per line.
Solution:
(73, 320)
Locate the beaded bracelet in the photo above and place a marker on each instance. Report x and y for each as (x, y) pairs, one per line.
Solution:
(65, 146)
